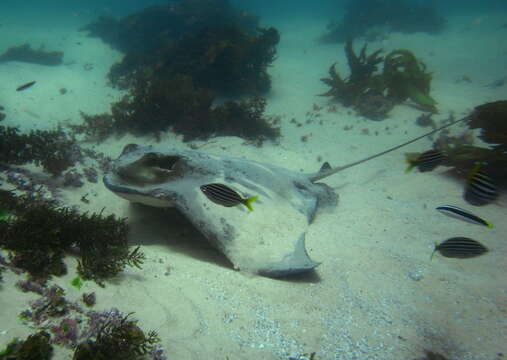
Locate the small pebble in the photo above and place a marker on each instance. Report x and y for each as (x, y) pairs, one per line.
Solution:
(415, 275)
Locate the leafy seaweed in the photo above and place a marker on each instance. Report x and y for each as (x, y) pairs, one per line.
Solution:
(77, 282)
(35, 347)
(156, 104)
(374, 94)
(41, 232)
(406, 78)
(51, 149)
(117, 340)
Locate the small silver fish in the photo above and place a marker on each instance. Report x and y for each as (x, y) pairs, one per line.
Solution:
(463, 214)
(223, 195)
(25, 86)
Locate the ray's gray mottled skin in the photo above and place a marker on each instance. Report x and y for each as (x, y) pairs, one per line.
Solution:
(269, 240)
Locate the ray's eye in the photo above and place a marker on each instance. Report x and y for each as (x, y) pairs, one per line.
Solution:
(152, 168)
(168, 162)
(161, 162)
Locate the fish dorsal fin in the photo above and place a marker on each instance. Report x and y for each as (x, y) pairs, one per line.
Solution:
(324, 173)
(325, 167)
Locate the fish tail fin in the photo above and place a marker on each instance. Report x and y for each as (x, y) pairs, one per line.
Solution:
(248, 202)
(411, 162)
(434, 251)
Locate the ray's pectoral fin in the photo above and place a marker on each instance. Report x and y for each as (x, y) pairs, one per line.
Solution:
(269, 241)
(295, 262)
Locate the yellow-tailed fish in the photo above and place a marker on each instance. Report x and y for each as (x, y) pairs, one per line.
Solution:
(223, 195)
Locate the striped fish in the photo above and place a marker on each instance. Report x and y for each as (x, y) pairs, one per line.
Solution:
(427, 161)
(480, 189)
(463, 214)
(223, 195)
(460, 247)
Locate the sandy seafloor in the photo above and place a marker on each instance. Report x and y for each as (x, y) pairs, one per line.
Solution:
(376, 294)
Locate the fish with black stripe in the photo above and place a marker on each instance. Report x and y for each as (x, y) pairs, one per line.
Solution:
(460, 248)
(462, 214)
(223, 195)
(427, 161)
(480, 188)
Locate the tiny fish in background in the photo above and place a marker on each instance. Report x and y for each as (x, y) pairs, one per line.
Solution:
(25, 86)
(223, 195)
(463, 214)
(460, 247)
(427, 161)
(480, 188)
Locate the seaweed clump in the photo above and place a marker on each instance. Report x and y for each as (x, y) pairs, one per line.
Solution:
(374, 94)
(90, 334)
(118, 339)
(406, 78)
(35, 347)
(469, 161)
(156, 104)
(51, 149)
(145, 30)
(40, 233)
(361, 16)
(491, 118)
(220, 47)
(221, 58)
(25, 53)
(95, 128)
(178, 58)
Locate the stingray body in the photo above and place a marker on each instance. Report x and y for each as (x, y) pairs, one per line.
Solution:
(269, 240)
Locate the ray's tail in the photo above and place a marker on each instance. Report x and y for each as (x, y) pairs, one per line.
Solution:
(331, 171)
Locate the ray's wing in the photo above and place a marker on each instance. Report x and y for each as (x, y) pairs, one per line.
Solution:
(269, 240)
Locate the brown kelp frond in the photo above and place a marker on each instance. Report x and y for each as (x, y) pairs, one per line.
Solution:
(406, 78)
(374, 94)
